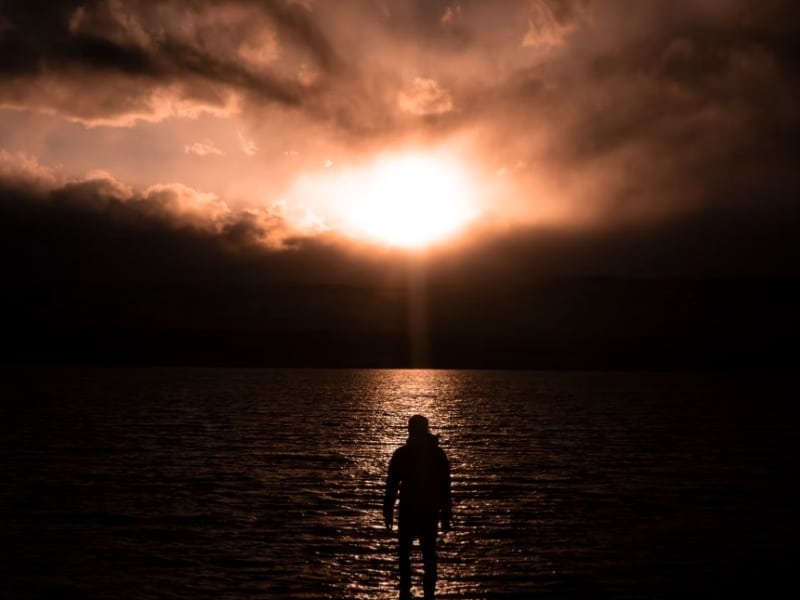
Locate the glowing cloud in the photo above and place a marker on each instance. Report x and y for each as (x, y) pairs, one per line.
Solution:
(425, 97)
(544, 29)
(202, 149)
(247, 145)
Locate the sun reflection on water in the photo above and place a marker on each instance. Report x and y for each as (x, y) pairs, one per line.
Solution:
(394, 396)
(403, 393)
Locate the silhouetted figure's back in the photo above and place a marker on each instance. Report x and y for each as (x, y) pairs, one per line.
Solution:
(421, 472)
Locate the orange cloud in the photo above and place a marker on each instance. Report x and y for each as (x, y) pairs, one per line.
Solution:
(202, 149)
(425, 97)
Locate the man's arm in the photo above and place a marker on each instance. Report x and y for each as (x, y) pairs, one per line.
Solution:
(392, 485)
(445, 497)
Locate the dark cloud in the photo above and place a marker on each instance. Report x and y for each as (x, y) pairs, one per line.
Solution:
(608, 67)
(98, 228)
(296, 24)
(95, 271)
(142, 53)
(675, 107)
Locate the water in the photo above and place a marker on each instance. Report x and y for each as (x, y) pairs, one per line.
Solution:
(181, 483)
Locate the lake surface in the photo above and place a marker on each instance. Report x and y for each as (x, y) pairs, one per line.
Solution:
(201, 483)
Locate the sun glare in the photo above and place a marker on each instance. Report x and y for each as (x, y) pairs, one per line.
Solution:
(410, 201)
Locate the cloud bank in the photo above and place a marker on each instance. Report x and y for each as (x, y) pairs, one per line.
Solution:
(100, 229)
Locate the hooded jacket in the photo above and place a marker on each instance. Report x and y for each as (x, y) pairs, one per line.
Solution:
(421, 472)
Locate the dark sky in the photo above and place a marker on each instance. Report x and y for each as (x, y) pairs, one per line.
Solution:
(187, 182)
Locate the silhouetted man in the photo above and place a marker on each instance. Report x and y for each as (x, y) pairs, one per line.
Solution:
(422, 473)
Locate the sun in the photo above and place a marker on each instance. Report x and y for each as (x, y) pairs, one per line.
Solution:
(411, 200)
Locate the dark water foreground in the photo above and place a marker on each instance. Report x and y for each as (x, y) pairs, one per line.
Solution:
(185, 483)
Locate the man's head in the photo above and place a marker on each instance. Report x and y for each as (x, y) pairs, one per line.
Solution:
(417, 425)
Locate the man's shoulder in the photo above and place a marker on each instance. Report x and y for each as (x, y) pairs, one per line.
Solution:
(399, 451)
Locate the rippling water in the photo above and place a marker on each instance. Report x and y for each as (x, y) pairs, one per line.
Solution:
(184, 483)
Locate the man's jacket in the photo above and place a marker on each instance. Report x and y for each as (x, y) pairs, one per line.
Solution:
(421, 472)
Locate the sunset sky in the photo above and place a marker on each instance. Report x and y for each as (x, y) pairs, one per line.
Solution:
(332, 142)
